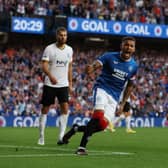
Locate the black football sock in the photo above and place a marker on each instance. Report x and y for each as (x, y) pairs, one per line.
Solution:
(81, 128)
(69, 134)
(72, 131)
(92, 127)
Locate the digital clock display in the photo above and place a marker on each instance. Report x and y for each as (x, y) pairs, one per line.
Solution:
(27, 25)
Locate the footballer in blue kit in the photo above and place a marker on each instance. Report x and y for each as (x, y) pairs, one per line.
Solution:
(118, 72)
(115, 73)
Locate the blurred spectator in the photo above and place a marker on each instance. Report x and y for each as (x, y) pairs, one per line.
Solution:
(145, 11)
(21, 94)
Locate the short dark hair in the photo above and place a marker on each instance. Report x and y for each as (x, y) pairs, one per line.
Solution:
(128, 38)
(60, 29)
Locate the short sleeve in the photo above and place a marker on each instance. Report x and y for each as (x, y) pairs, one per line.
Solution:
(71, 54)
(103, 58)
(133, 76)
(46, 54)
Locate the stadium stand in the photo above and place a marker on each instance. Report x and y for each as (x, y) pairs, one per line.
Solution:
(20, 62)
(145, 11)
(20, 94)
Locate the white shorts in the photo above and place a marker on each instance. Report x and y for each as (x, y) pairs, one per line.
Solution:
(104, 101)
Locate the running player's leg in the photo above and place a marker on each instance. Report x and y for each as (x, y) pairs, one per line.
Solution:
(97, 123)
(100, 118)
(75, 128)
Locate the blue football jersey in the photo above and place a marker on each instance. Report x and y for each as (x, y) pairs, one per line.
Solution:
(115, 73)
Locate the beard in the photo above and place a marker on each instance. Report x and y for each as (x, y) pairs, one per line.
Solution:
(61, 41)
(126, 55)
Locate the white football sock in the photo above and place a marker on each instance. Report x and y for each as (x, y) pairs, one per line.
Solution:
(62, 125)
(128, 122)
(42, 123)
(121, 117)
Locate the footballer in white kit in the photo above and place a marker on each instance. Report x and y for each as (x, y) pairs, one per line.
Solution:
(57, 66)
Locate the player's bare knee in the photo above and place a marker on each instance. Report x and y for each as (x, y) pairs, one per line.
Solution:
(64, 108)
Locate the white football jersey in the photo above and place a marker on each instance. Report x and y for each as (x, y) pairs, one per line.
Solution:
(59, 60)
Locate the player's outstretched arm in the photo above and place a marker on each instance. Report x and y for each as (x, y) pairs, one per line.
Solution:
(93, 67)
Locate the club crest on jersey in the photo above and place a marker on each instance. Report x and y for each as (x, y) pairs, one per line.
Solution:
(130, 68)
(115, 62)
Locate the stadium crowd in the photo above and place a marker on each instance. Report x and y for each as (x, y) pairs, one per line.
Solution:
(144, 11)
(22, 81)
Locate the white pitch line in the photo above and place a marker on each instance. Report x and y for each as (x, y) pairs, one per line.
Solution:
(35, 147)
(59, 155)
(34, 155)
(91, 152)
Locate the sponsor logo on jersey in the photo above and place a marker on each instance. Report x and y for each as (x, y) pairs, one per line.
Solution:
(119, 74)
(44, 56)
(61, 63)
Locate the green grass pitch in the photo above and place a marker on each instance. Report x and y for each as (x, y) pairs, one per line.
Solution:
(148, 148)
